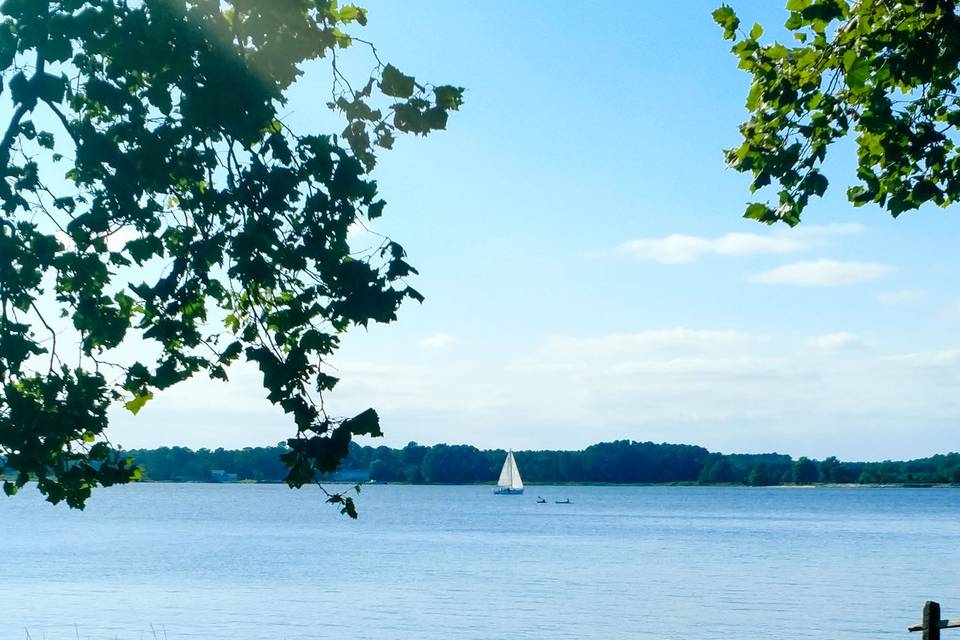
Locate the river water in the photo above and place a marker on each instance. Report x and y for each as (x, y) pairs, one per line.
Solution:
(238, 562)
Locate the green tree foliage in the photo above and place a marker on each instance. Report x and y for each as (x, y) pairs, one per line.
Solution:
(455, 464)
(760, 476)
(880, 71)
(622, 461)
(153, 193)
(718, 470)
(804, 471)
(827, 470)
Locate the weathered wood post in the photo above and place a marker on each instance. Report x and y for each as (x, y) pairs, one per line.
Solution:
(931, 620)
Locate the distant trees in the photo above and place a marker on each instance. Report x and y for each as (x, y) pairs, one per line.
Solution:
(457, 464)
(716, 469)
(760, 476)
(804, 471)
(826, 469)
(622, 461)
(181, 463)
(760, 469)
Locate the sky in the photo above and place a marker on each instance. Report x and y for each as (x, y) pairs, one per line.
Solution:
(587, 273)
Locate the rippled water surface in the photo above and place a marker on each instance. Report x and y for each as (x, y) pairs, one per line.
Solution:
(244, 562)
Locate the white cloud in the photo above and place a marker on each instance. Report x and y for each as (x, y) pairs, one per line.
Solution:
(823, 273)
(679, 248)
(437, 341)
(720, 388)
(948, 358)
(840, 341)
(902, 296)
(674, 340)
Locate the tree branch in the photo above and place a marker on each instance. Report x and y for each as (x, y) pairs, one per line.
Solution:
(22, 110)
(11, 134)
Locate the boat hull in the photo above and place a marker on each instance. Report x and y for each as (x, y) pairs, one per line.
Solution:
(506, 491)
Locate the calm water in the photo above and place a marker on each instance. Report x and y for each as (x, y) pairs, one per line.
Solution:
(239, 562)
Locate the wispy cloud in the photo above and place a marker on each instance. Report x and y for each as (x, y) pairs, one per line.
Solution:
(823, 273)
(438, 340)
(673, 340)
(902, 297)
(929, 360)
(679, 248)
(840, 341)
(673, 384)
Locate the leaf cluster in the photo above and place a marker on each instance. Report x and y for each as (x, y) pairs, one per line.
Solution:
(170, 204)
(882, 71)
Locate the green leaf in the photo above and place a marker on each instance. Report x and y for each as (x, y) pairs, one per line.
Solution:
(857, 70)
(727, 18)
(375, 210)
(817, 183)
(349, 508)
(395, 84)
(759, 211)
(326, 382)
(413, 293)
(777, 52)
(364, 424)
(350, 13)
(50, 87)
(45, 139)
(447, 97)
(753, 97)
(134, 405)
(231, 352)
(21, 90)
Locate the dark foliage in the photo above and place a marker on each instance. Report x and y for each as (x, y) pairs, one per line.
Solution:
(151, 193)
(622, 461)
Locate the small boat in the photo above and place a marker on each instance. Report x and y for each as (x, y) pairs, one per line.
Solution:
(509, 483)
(567, 501)
(541, 500)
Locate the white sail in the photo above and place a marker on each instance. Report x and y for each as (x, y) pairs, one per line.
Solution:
(510, 474)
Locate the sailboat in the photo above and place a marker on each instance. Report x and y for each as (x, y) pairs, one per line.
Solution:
(510, 483)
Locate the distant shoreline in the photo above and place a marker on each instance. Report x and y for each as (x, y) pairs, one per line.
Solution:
(530, 485)
(618, 462)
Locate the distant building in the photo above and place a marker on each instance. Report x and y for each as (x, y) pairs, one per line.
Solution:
(220, 475)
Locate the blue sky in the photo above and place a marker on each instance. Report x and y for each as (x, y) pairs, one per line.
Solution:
(587, 273)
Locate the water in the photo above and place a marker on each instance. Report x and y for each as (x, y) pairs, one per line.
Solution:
(238, 562)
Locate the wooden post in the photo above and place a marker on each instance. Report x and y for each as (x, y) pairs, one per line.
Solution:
(931, 621)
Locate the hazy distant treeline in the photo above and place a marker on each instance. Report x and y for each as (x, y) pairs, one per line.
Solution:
(622, 461)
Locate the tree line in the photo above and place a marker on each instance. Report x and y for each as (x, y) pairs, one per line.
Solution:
(619, 462)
